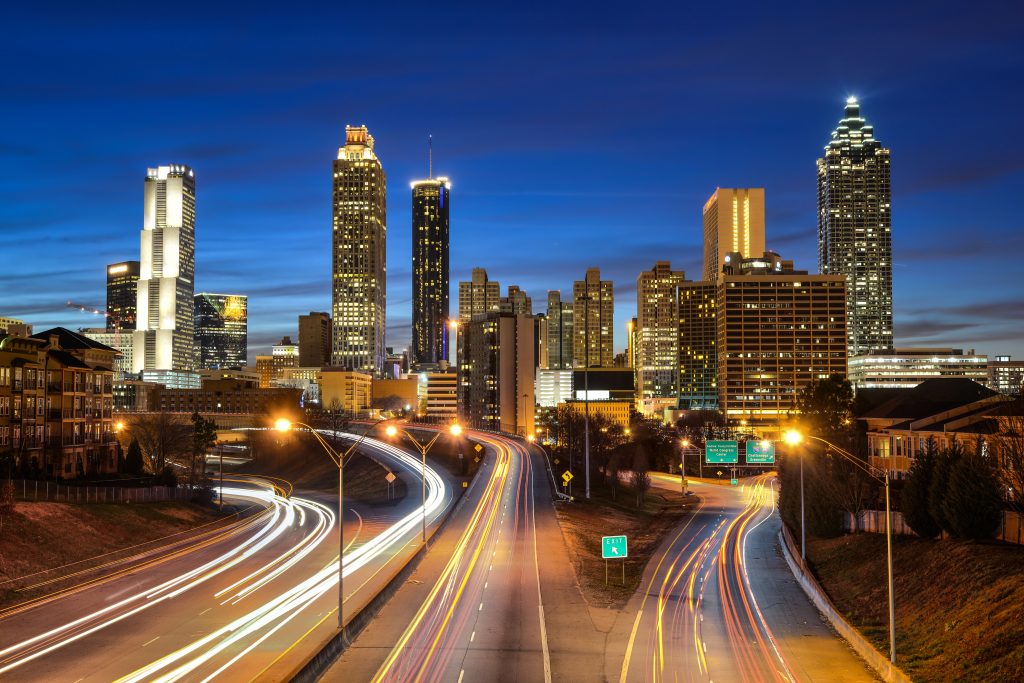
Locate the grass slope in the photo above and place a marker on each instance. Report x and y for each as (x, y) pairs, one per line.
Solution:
(959, 605)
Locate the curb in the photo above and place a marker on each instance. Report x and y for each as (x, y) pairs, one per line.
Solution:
(889, 672)
(318, 663)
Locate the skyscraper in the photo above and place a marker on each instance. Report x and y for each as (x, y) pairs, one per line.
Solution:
(430, 236)
(855, 228)
(163, 337)
(314, 340)
(359, 254)
(733, 221)
(594, 323)
(478, 296)
(122, 294)
(516, 302)
(222, 327)
(698, 355)
(560, 326)
(496, 372)
(657, 331)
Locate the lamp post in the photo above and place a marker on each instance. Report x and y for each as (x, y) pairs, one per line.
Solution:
(793, 438)
(586, 391)
(392, 431)
(284, 425)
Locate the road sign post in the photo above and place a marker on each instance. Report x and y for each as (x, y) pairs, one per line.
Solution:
(760, 453)
(614, 548)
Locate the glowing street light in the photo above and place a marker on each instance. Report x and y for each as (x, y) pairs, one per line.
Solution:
(455, 429)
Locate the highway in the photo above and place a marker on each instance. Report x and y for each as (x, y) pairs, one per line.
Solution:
(250, 606)
(718, 603)
(474, 611)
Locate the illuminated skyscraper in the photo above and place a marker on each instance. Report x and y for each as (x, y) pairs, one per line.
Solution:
(122, 294)
(517, 302)
(855, 228)
(359, 254)
(657, 331)
(163, 337)
(698, 355)
(221, 331)
(430, 238)
(559, 332)
(594, 323)
(733, 221)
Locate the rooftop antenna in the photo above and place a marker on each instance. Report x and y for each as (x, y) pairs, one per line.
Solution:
(430, 157)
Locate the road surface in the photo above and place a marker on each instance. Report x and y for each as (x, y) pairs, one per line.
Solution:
(251, 606)
(718, 602)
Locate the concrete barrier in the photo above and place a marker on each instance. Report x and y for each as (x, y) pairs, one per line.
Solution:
(886, 670)
(335, 646)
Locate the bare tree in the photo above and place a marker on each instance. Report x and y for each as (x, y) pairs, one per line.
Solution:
(641, 478)
(1009, 445)
(162, 437)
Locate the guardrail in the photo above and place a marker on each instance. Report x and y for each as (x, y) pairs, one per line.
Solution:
(33, 490)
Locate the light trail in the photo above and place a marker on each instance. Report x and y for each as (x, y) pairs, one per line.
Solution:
(318, 523)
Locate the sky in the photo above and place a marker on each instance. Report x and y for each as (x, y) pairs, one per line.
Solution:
(575, 135)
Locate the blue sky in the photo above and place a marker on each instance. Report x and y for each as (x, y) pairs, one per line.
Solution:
(575, 135)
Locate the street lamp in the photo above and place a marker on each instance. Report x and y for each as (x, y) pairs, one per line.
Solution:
(455, 430)
(284, 425)
(700, 461)
(794, 438)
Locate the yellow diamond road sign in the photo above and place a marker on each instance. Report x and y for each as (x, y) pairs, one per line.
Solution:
(567, 476)
(478, 448)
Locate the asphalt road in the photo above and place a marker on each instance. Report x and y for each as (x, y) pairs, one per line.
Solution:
(248, 607)
(718, 602)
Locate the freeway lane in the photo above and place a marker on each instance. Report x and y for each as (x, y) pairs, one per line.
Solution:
(718, 603)
(237, 607)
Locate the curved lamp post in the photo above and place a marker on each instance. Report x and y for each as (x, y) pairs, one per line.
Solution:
(794, 438)
(284, 425)
(455, 429)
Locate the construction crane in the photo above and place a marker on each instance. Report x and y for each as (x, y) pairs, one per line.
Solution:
(115, 320)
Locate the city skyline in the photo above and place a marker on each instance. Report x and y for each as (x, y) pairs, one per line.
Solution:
(944, 196)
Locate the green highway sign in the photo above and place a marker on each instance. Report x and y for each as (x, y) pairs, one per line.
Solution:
(722, 452)
(734, 482)
(760, 452)
(613, 547)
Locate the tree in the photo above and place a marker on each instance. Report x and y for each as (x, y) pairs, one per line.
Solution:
(914, 498)
(204, 436)
(641, 477)
(1008, 442)
(826, 406)
(848, 486)
(938, 489)
(161, 436)
(133, 463)
(972, 505)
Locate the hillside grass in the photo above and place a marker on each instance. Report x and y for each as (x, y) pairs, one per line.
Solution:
(959, 605)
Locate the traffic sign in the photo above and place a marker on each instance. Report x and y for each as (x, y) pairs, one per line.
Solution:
(722, 452)
(478, 448)
(390, 476)
(760, 452)
(613, 547)
(734, 481)
(567, 476)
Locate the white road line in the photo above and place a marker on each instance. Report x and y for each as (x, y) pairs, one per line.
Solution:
(205, 611)
(461, 674)
(472, 636)
(532, 507)
(480, 608)
(148, 642)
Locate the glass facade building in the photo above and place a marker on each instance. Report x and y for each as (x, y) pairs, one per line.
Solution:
(122, 294)
(430, 266)
(855, 228)
(221, 325)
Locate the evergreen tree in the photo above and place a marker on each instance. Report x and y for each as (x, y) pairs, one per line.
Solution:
(938, 488)
(972, 504)
(915, 495)
(133, 463)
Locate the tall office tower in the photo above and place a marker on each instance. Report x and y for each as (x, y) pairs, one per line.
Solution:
(430, 234)
(698, 355)
(733, 221)
(656, 356)
(516, 302)
(496, 373)
(559, 332)
(478, 296)
(221, 331)
(778, 331)
(122, 294)
(359, 254)
(314, 340)
(164, 336)
(594, 321)
(855, 228)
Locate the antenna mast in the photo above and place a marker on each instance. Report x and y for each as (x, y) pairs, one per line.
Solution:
(430, 157)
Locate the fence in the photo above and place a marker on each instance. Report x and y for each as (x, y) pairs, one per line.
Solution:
(1011, 529)
(33, 490)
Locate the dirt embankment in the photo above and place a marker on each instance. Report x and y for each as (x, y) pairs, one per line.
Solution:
(959, 605)
(39, 536)
(585, 522)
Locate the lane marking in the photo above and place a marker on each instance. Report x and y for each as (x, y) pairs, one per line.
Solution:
(472, 636)
(480, 608)
(147, 643)
(205, 611)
